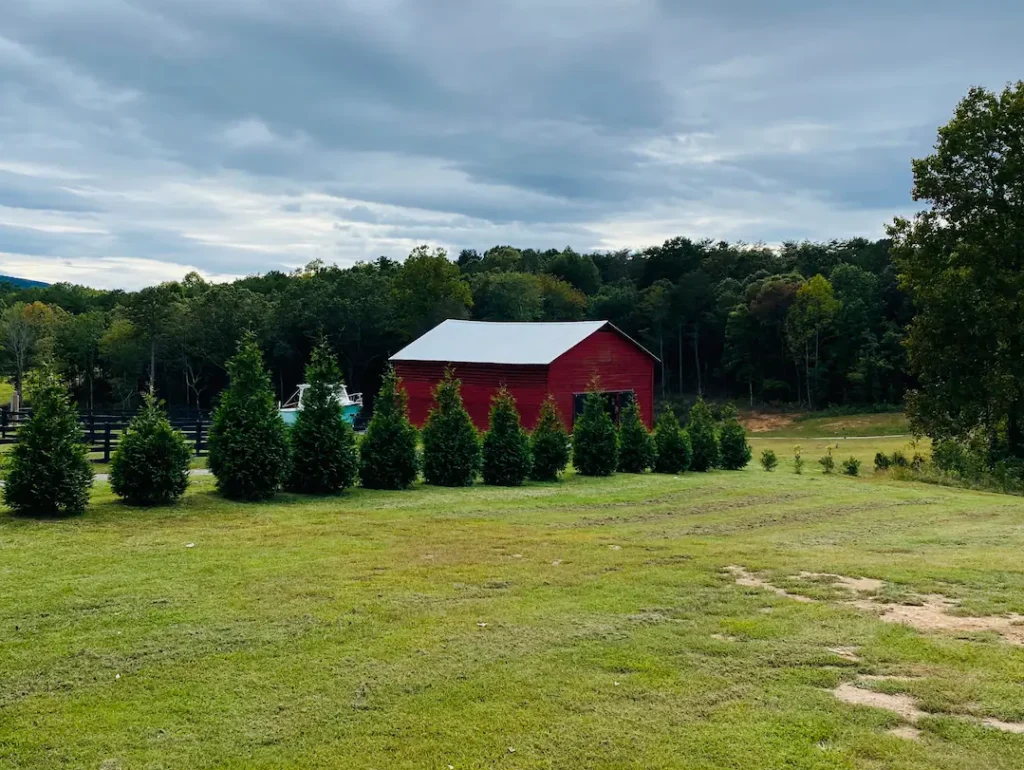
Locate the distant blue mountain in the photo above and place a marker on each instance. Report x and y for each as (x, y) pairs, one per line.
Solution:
(21, 283)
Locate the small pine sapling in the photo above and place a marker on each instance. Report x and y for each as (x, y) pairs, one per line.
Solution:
(387, 453)
(451, 444)
(506, 452)
(672, 445)
(636, 446)
(595, 450)
(549, 444)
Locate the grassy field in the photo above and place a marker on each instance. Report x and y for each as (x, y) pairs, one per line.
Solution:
(588, 624)
(859, 436)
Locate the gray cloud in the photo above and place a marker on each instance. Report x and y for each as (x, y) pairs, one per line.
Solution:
(143, 138)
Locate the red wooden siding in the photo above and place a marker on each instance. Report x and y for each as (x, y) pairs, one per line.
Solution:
(616, 360)
(479, 383)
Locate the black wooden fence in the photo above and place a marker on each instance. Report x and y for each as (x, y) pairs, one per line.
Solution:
(102, 431)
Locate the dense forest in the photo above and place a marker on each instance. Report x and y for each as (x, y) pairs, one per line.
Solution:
(806, 323)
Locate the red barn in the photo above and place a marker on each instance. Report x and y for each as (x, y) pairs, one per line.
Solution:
(532, 360)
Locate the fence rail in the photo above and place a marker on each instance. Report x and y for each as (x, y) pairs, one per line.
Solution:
(101, 433)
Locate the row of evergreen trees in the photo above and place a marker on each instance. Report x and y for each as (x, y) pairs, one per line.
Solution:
(600, 450)
(253, 454)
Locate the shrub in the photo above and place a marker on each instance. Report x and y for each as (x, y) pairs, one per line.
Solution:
(769, 460)
(917, 462)
(248, 438)
(703, 438)
(672, 445)
(324, 456)
(595, 450)
(48, 470)
(798, 461)
(451, 445)
(636, 446)
(549, 444)
(899, 460)
(851, 466)
(735, 452)
(828, 463)
(387, 453)
(151, 463)
(506, 445)
(882, 461)
(950, 457)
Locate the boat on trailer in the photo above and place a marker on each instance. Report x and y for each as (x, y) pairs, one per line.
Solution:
(351, 404)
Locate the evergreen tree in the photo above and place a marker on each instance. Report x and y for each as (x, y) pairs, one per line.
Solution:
(703, 438)
(387, 453)
(324, 456)
(151, 463)
(735, 452)
(673, 450)
(549, 443)
(595, 447)
(48, 470)
(506, 445)
(248, 439)
(636, 446)
(451, 445)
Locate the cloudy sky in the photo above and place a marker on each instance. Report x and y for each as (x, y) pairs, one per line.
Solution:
(140, 139)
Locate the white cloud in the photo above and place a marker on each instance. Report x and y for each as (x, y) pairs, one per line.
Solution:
(141, 139)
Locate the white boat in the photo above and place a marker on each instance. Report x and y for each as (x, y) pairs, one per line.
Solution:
(351, 404)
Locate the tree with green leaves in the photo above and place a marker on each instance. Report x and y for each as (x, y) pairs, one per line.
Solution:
(151, 463)
(549, 443)
(428, 289)
(323, 448)
(22, 326)
(506, 453)
(123, 355)
(506, 297)
(734, 450)
(703, 437)
(962, 262)
(77, 347)
(387, 453)
(673, 452)
(578, 270)
(451, 444)
(807, 324)
(248, 439)
(636, 445)
(595, 445)
(48, 470)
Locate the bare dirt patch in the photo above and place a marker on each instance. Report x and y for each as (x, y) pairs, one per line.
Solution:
(744, 578)
(851, 584)
(905, 707)
(762, 423)
(933, 614)
(846, 653)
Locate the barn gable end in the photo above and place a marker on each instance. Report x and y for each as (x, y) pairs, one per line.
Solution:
(532, 360)
(618, 363)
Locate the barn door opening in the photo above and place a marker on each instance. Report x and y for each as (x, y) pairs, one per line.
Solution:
(614, 400)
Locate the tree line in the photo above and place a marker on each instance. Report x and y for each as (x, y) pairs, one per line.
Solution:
(805, 323)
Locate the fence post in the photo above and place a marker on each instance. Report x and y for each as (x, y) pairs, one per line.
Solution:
(3, 425)
(199, 435)
(106, 444)
(92, 428)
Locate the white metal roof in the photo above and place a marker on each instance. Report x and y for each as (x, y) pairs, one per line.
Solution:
(485, 342)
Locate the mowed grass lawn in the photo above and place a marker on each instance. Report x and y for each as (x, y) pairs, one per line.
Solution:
(587, 624)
